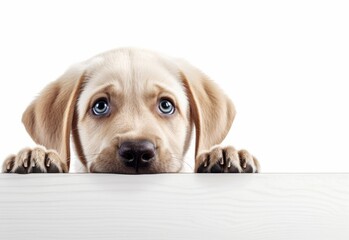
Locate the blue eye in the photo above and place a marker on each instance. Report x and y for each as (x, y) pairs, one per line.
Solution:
(101, 107)
(166, 107)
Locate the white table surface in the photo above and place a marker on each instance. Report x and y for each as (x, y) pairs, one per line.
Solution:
(174, 206)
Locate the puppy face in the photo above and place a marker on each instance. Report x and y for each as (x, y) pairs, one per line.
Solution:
(130, 111)
(140, 100)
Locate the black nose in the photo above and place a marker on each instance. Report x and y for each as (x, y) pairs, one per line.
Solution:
(137, 154)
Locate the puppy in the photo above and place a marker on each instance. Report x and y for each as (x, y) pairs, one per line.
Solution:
(130, 111)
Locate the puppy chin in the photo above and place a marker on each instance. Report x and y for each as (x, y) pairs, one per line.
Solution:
(95, 168)
(115, 166)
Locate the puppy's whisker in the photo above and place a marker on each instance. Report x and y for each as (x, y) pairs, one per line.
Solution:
(87, 155)
(180, 158)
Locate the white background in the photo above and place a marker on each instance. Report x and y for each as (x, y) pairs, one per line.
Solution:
(283, 63)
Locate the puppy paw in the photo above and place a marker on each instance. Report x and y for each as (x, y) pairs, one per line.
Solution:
(226, 160)
(36, 160)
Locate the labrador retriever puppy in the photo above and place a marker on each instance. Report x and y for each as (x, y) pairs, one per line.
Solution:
(130, 111)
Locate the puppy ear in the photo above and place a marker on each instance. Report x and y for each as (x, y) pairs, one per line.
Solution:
(210, 109)
(49, 118)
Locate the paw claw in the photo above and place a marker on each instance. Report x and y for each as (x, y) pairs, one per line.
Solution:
(243, 163)
(229, 163)
(48, 162)
(8, 167)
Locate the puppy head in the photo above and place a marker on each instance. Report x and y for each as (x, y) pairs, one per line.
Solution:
(130, 111)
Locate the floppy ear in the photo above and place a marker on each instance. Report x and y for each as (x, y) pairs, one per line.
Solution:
(49, 118)
(211, 110)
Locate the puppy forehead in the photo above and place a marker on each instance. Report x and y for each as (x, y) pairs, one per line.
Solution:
(134, 72)
(133, 75)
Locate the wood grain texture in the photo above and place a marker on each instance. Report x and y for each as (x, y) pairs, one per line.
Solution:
(174, 206)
